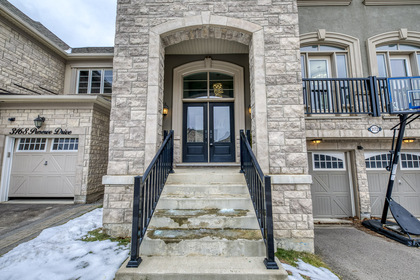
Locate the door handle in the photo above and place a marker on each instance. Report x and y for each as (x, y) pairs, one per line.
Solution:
(211, 144)
(46, 163)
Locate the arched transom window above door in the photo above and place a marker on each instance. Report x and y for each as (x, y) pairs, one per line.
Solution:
(208, 85)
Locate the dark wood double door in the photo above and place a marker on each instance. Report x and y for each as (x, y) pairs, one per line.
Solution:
(208, 132)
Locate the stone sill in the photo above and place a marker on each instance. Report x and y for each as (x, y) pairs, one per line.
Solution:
(291, 179)
(118, 179)
(330, 117)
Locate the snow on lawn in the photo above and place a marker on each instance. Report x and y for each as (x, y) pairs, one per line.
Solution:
(58, 253)
(314, 273)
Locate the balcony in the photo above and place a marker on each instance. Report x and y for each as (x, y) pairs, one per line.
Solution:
(352, 96)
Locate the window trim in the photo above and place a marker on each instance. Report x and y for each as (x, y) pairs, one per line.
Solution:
(402, 36)
(352, 44)
(89, 89)
(339, 155)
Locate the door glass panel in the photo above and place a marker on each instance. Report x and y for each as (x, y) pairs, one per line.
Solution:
(381, 65)
(341, 66)
(221, 85)
(195, 124)
(318, 68)
(195, 85)
(399, 68)
(221, 123)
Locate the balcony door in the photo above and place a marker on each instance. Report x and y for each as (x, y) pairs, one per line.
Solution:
(208, 132)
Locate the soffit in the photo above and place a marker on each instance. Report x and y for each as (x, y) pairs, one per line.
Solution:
(207, 46)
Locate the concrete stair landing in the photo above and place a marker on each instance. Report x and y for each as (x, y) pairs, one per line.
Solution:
(204, 227)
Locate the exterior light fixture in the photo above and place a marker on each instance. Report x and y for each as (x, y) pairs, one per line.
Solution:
(249, 109)
(316, 141)
(409, 140)
(165, 110)
(11, 119)
(39, 121)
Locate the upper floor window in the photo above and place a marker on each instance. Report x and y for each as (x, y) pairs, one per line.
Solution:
(324, 61)
(398, 60)
(95, 81)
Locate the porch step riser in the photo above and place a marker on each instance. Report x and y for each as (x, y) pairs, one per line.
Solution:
(202, 247)
(205, 189)
(204, 222)
(206, 179)
(203, 203)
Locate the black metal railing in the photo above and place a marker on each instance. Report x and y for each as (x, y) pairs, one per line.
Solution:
(147, 190)
(338, 96)
(259, 187)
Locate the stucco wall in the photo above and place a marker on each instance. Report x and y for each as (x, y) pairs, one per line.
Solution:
(25, 62)
(359, 21)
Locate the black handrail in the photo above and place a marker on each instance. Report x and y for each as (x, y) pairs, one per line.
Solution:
(259, 187)
(147, 190)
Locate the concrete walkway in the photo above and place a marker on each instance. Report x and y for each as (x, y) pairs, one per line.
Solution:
(354, 254)
(20, 222)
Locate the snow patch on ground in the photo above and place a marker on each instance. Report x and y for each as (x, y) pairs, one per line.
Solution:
(304, 269)
(58, 253)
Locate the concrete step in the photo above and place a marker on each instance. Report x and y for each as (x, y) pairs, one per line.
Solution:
(205, 189)
(218, 202)
(201, 178)
(202, 268)
(203, 242)
(203, 218)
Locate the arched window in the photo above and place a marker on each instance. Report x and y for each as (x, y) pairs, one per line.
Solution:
(398, 60)
(394, 54)
(330, 55)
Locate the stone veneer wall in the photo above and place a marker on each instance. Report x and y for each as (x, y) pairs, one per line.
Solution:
(347, 133)
(25, 62)
(88, 123)
(143, 29)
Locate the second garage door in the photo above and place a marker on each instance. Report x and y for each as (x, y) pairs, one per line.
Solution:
(44, 167)
(406, 189)
(331, 196)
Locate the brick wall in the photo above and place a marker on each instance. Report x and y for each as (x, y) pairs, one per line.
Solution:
(25, 62)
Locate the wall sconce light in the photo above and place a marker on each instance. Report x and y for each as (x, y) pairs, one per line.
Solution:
(11, 119)
(249, 109)
(408, 140)
(316, 141)
(165, 110)
(39, 121)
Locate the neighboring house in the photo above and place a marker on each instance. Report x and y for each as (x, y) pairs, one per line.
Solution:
(218, 67)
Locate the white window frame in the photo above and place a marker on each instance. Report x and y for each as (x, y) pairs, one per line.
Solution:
(89, 90)
(63, 151)
(339, 155)
(31, 151)
(409, 168)
(372, 154)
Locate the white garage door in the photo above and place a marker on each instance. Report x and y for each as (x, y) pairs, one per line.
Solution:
(330, 188)
(44, 167)
(406, 189)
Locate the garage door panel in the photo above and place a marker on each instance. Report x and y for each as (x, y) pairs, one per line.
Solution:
(331, 187)
(406, 189)
(322, 206)
(43, 173)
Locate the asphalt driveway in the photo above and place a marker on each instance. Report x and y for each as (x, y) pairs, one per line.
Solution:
(20, 222)
(355, 254)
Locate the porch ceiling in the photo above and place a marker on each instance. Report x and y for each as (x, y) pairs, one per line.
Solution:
(207, 46)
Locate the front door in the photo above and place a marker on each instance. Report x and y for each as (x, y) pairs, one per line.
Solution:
(208, 132)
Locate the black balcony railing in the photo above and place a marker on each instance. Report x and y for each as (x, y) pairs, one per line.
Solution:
(147, 190)
(259, 187)
(346, 96)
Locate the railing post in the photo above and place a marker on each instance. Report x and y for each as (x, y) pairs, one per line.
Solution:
(135, 259)
(373, 88)
(269, 261)
(242, 148)
(171, 153)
